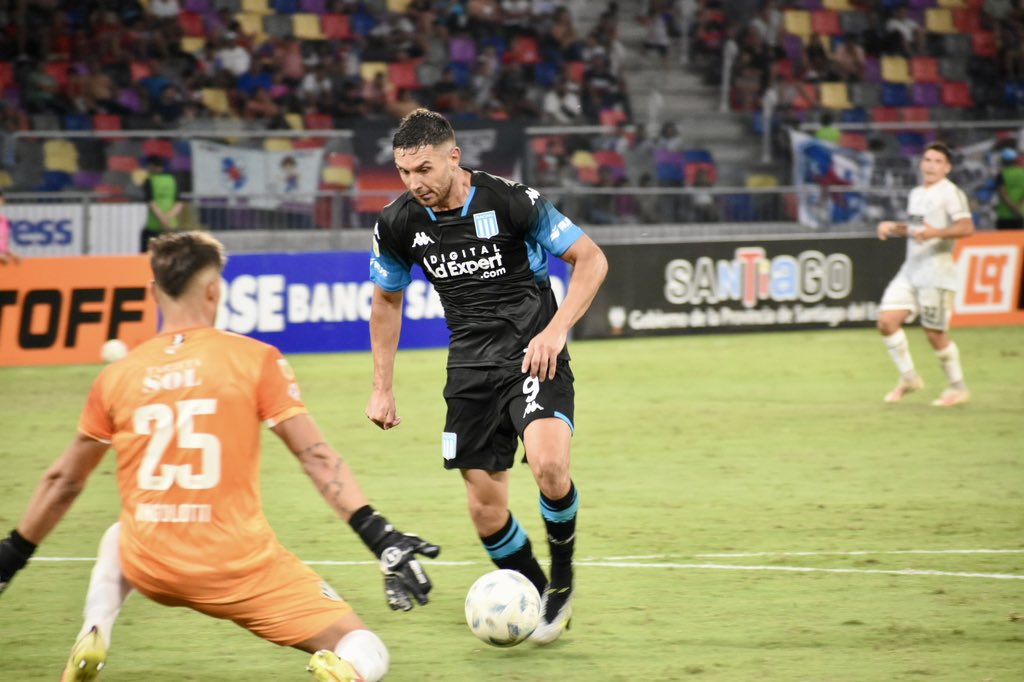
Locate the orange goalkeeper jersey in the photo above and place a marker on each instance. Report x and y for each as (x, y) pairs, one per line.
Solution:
(183, 412)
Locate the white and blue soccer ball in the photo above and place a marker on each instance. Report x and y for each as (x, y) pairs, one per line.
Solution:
(502, 608)
(113, 350)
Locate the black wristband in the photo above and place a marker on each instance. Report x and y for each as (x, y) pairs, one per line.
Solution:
(19, 543)
(359, 517)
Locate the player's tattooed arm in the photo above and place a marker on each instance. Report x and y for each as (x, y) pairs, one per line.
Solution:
(324, 466)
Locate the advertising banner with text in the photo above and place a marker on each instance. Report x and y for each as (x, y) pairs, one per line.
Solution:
(749, 285)
(990, 266)
(61, 310)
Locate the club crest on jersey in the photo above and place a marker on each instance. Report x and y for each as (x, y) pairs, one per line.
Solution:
(176, 343)
(486, 224)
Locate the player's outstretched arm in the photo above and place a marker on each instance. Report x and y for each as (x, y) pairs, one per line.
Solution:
(385, 327)
(589, 269)
(404, 577)
(60, 487)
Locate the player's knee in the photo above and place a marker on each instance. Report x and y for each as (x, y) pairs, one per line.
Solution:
(365, 651)
(487, 515)
(552, 475)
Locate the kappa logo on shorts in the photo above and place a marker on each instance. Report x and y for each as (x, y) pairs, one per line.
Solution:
(486, 224)
(532, 407)
(448, 443)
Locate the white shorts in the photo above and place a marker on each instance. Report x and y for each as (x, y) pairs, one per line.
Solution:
(935, 306)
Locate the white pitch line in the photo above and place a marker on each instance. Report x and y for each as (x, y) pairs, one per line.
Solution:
(712, 567)
(860, 553)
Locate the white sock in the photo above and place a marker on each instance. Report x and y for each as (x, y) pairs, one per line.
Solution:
(899, 351)
(108, 588)
(950, 359)
(365, 652)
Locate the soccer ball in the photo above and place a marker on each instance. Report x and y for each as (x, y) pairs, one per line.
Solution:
(113, 350)
(502, 608)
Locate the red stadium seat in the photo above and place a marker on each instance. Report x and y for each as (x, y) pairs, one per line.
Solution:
(967, 20)
(192, 24)
(336, 26)
(925, 70)
(403, 74)
(124, 164)
(106, 122)
(524, 50)
(59, 72)
(885, 115)
(984, 44)
(957, 94)
(826, 22)
(575, 71)
(318, 121)
(853, 140)
(161, 148)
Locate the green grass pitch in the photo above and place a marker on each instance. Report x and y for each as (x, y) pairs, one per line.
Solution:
(751, 510)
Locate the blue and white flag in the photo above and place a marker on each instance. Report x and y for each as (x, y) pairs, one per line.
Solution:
(827, 175)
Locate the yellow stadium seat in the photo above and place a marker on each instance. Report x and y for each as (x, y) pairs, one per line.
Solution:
(581, 158)
(139, 176)
(192, 44)
(952, 4)
(798, 22)
(216, 100)
(334, 175)
(895, 69)
(368, 70)
(307, 27)
(835, 96)
(60, 155)
(838, 5)
(277, 144)
(398, 6)
(5, 179)
(762, 180)
(295, 121)
(939, 21)
(251, 24)
(256, 7)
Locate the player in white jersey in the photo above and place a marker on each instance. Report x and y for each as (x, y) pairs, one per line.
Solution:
(938, 215)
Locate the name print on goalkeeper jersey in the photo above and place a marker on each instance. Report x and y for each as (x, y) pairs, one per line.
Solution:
(487, 260)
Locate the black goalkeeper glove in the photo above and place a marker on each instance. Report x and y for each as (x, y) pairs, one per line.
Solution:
(15, 552)
(404, 577)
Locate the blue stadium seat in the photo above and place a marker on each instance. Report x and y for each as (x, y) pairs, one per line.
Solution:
(895, 95)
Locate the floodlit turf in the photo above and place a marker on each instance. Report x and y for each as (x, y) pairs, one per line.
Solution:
(690, 453)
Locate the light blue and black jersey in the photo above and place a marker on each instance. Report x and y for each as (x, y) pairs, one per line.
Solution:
(487, 260)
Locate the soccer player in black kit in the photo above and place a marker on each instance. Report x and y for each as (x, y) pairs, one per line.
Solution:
(483, 241)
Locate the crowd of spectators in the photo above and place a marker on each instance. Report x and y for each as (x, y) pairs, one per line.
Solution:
(155, 64)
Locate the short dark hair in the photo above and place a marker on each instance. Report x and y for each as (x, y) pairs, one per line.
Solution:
(177, 257)
(421, 128)
(942, 148)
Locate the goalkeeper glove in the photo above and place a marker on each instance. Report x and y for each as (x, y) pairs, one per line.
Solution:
(404, 577)
(14, 554)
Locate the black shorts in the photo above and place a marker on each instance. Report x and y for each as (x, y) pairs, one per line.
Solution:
(489, 409)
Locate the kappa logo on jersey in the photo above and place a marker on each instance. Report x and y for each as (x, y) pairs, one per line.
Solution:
(533, 194)
(987, 275)
(532, 407)
(486, 224)
(422, 239)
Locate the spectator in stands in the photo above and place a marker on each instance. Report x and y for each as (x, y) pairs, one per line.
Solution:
(232, 56)
(42, 94)
(160, 191)
(6, 254)
(768, 24)
(645, 205)
(1010, 188)
(377, 94)
(1011, 30)
(827, 129)
(656, 37)
(601, 207)
(601, 89)
(703, 208)
(849, 59)
(485, 77)
(561, 105)
(905, 33)
(516, 92)
(169, 107)
(562, 35)
(261, 106)
(819, 65)
(405, 103)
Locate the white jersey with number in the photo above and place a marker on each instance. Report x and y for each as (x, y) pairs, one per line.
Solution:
(930, 264)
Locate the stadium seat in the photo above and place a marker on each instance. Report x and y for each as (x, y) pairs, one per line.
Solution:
(216, 100)
(192, 24)
(123, 164)
(853, 140)
(805, 96)
(338, 177)
(911, 143)
(939, 20)
(197, 6)
(957, 94)
(525, 50)
(252, 25)
(55, 181)
(106, 122)
(761, 181)
(895, 69)
(575, 70)
(86, 179)
(826, 22)
(984, 44)
(336, 26)
(341, 160)
(797, 22)
(866, 95)
(853, 22)
(895, 95)
(277, 144)
(286, 6)
(60, 72)
(694, 169)
(612, 160)
(363, 23)
(256, 7)
(369, 70)
(60, 155)
(886, 115)
(109, 192)
(925, 70)
(77, 122)
(307, 27)
(953, 69)
(967, 20)
(925, 95)
(951, 4)
(313, 6)
(162, 148)
(6, 74)
(397, 5)
(180, 164)
(854, 115)
(192, 45)
(835, 96)
(838, 5)
(140, 70)
(277, 25)
(294, 121)
(612, 116)
(318, 121)
(872, 70)
(403, 74)
(462, 49)
(130, 100)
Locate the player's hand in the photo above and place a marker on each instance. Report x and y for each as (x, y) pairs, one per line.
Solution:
(885, 229)
(381, 409)
(541, 357)
(924, 233)
(15, 552)
(404, 577)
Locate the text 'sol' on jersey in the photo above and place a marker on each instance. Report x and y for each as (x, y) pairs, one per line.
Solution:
(487, 260)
